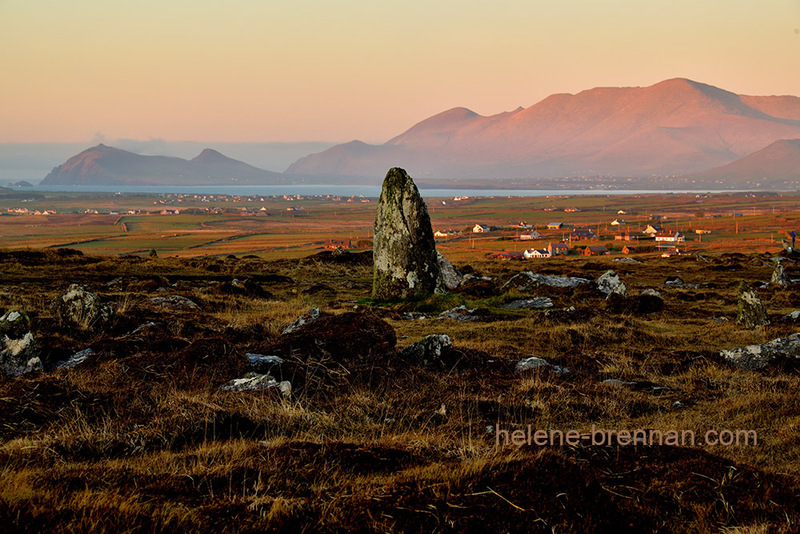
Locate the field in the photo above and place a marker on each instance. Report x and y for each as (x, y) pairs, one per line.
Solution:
(140, 437)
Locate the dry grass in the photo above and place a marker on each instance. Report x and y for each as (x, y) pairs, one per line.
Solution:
(140, 438)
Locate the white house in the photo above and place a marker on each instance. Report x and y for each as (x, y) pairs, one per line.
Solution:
(536, 253)
(652, 229)
(617, 222)
(530, 236)
(480, 229)
(665, 237)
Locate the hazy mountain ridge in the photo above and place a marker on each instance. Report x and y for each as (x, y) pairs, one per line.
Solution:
(103, 165)
(775, 165)
(674, 127)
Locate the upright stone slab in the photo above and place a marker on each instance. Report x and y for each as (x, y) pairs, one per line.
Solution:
(751, 311)
(404, 250)
(779, 277)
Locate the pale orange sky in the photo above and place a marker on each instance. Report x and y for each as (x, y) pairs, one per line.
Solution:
(269, 70)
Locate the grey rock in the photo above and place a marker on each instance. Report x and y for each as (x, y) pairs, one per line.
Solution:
(609, 282)
(617, 382)
(460, 313)
(262, 363)
(73, 361)
(751, 311)
(473, 278)
(779, 277)
(531, 363)
(754, 357)
(626, 260)
(677, 281)
(79, 307)
(450, 277)
(791, 317)
(428, 350)
(18, 352)
(256, 382)
(308, 317)
(528, 281)
(404, 251)
(174, 302)
(536, 302)
(414, 316)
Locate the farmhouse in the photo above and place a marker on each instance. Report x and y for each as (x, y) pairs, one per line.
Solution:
(530, 236)
(336, 243)
(618, 222)
(665, 237)
(506, 256)
(554, 225)
(480, 229)
(596, 250)
(652, 229)
(582, 234)
(625, 236)
(536, 253)
(558, 249)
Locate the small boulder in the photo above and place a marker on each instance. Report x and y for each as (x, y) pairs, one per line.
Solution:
(258, 382)
(308, 317)
(754, 357)
(76, 359)
(174, 302)
(779, 277)
(527, 281)
(609, 282)
(791, 317)
(18, 352)
(79, 307)
(450, 277)
(751, 311)
(536, 302)
(261, 363)
(428, 350)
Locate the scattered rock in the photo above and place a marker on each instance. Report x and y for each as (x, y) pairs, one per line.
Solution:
(751, 311)
(609, 282)
(461, 313)
(527, 281)
(174, 302)
(534, 363)
(428, 350)
(536, 302)
(720, 320)
(414, 316)
(261, 363)
(677, 281)
(244, 288)
(754, 357)
(450, 277)
(308, 317)
(73, 361)
(18, 352)
(791, 317)
(404, 251)
(648, 301)
(258, 382)
(779, 277)
(626, 260)
(81, 308)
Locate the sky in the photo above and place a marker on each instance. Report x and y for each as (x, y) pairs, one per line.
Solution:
(323, 70)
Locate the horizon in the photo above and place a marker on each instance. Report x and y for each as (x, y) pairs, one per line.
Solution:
(246, 72)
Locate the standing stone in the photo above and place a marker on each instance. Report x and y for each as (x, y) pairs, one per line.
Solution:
(779, 277)
(404, 250)
(610, 283)
(752, 312)
(18, 353)
(451, 278)
(80, 307)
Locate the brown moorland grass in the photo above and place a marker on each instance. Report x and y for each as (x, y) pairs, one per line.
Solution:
(140, 437)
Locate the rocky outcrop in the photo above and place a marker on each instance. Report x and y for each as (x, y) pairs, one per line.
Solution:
(535, 302)
(308, 317)
(428, 350)
(754, 357)
(609, 282)
(539, 364)
(18, 352)
(79, 307)
(751, 311)
(174, 303)
(527, 281)
(404, 251)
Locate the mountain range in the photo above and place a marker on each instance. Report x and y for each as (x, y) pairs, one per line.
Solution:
(677, 127)
(103, 165)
